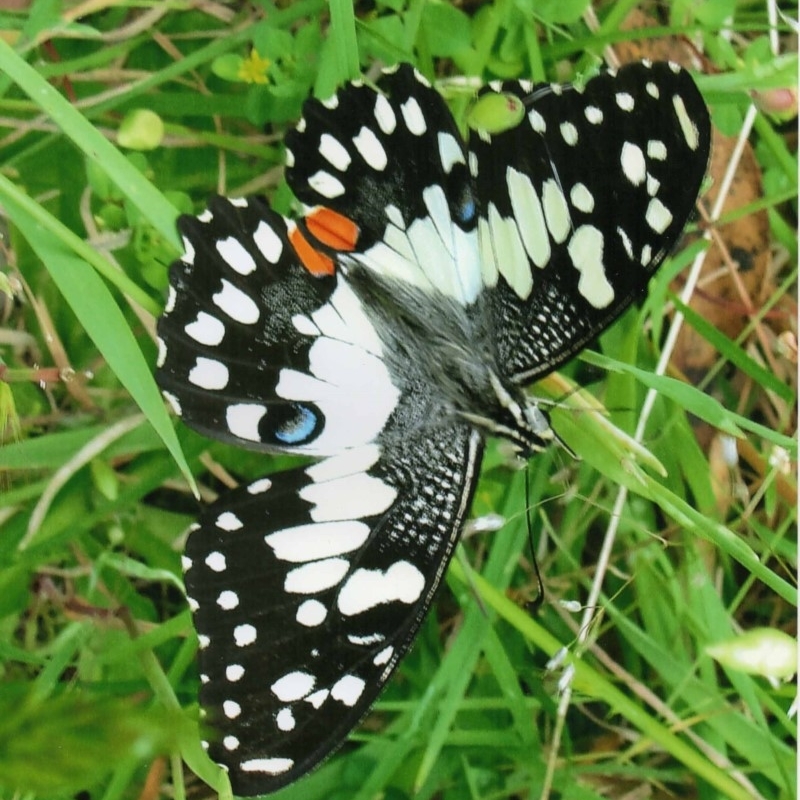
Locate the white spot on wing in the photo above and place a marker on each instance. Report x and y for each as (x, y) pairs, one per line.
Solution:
(161, 356)
(316, 576)
(230, 743)
(234, 672)
(556, 212)
(235, 255)
(173, 401)
(585, 249)
(228, 600)
(537, 121)
(413, 116)
(626, 242)
(348, 498)
(489, 268)
(509, 252)
(208, 373)
(311, 613)
(259, 486)
(656, 149)
(244, 635)
(384, 656)
(688, 128)
(216, 561)
(236, 304)
(348, 689)
(243, 420)
(228, 521)
(284, 719)
(302, 324)
(450, 151)
(326, 184)
(318, 698)
(528, 212)
(569, 133)
(395, 216)
(384, 114)
(625, 101)
(334, 152)
(371, 149)
(293, 686)
(369, 639)
(633, 164)
(269, 766)
(657, 215)
(206, 329)
(172, 297)
(593, 115)
(231, 709)
(268, 242)
(367, 588)
(351, 461)
(304, 543)
(581, 198)
(188, 252)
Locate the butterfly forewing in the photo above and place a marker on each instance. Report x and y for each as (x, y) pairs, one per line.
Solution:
(309, 586)
(581, 202)
(393, 162)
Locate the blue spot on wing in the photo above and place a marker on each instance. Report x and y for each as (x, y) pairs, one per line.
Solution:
(300, 428)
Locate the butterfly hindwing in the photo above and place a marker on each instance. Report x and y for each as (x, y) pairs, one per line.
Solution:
(309, 586)
(581, 202)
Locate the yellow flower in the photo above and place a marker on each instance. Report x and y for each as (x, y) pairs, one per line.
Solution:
(253, 69)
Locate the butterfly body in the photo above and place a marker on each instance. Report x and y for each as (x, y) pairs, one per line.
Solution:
(389, 332)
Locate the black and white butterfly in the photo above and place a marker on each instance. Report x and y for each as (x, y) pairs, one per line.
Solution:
(389, 332)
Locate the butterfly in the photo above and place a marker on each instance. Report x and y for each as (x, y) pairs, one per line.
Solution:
(388, 332)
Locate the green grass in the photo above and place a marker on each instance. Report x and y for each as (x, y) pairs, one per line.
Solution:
(99, 683)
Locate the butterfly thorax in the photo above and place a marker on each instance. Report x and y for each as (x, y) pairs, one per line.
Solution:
(442, 356)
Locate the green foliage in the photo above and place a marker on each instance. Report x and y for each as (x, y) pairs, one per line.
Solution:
(99, 684)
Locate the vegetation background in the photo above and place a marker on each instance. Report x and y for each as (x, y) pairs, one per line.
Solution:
(667, 678)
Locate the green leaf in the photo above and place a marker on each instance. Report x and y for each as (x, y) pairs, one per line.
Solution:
(554, 12)
(96, 310)
(449, 29)
(87, 138)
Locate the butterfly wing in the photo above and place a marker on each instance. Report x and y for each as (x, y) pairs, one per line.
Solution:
(393, 162)
(307, 589)
(257, 350)
(581, 202)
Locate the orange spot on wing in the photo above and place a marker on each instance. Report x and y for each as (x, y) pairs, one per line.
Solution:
(334, 230)
(315, 262)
